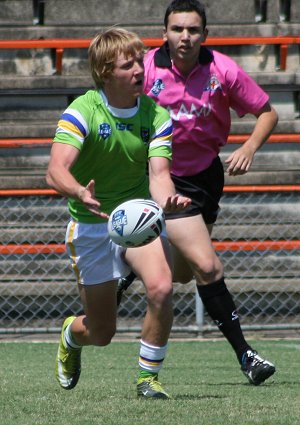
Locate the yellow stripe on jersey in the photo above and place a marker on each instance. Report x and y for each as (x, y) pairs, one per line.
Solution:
(73, 129)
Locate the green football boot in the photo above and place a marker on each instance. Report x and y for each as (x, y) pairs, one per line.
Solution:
(149, 387)
(68, 361)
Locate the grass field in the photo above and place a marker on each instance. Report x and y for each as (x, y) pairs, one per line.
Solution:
(202, 376)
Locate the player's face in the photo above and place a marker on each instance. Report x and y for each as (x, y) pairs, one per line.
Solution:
(126, 81)
(185, 34)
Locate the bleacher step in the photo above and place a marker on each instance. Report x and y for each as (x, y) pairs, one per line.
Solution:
(38, 288)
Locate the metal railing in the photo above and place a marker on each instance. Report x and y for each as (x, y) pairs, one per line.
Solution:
(58, 46)
(257, 236)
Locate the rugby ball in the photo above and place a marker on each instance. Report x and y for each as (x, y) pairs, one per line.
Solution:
(136, 223)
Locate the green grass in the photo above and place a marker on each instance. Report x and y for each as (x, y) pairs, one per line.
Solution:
(202, 376)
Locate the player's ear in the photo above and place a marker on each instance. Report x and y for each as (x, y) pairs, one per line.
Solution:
(165, 34)
(204, 35)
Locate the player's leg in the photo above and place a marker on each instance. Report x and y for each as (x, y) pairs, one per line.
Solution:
(191, 237)
(181, 270)
(152, 267)
(182, 273)
(193, 240)
(97, 264)
(96, 327)
(99, 324)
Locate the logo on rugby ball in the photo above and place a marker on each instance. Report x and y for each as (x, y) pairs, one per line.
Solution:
(119, 220)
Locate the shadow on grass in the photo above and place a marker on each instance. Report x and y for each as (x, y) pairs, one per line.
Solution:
(239, 384)
(198, 397)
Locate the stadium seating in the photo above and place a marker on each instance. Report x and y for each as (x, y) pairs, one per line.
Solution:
(36, 93)
(33, 94)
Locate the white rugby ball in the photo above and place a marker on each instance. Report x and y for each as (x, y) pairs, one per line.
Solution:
(136, 223)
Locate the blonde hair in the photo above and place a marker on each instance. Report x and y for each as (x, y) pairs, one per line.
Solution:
(105, 48)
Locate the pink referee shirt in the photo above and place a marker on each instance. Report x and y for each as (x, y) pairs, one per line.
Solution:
(200, 104)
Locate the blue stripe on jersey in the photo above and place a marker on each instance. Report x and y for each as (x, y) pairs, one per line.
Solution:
(166, 132)
(70, 118)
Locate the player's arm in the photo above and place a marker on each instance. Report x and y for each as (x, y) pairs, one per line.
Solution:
(162, 188)
(239, 162)
(62, 157)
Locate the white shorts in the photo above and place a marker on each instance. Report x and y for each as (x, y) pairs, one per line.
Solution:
(94, 257)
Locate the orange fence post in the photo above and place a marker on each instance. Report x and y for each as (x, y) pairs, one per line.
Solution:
(58, 60)
(283, 56)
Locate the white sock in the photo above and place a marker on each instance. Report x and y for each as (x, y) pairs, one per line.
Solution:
(151, 357)
(69, 339)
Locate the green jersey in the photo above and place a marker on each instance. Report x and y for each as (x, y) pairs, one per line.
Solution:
(115, 146)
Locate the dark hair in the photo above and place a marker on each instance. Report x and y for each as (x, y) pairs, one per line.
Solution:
(177, 6)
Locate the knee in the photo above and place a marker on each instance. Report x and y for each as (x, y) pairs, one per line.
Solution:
(102, 336)
(159, 293)
(209, 271)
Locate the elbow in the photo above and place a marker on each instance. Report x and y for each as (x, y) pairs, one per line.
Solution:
(276, 119)
(49, 180)
(273, 118)
(269, 116)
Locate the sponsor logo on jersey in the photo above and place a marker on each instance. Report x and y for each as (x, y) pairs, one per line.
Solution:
(157, 87)
(104, 130)
(213, 84)
(189, 113)
(145, 135)
(124, 127)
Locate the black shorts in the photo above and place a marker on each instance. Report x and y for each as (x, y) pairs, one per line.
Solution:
(205, 189)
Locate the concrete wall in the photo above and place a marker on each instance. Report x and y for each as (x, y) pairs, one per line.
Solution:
(77, 18)
(142, 12)
(16, 12)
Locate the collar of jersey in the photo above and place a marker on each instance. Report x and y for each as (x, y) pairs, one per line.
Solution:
(162, 57)
(120, 112)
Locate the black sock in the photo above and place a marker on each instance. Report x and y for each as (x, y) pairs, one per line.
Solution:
(220, 306)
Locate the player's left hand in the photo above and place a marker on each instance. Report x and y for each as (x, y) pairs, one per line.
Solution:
(239, 162)
(87, 196)
(176, 203)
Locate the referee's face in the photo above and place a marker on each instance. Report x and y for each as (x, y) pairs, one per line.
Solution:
(185, 34)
